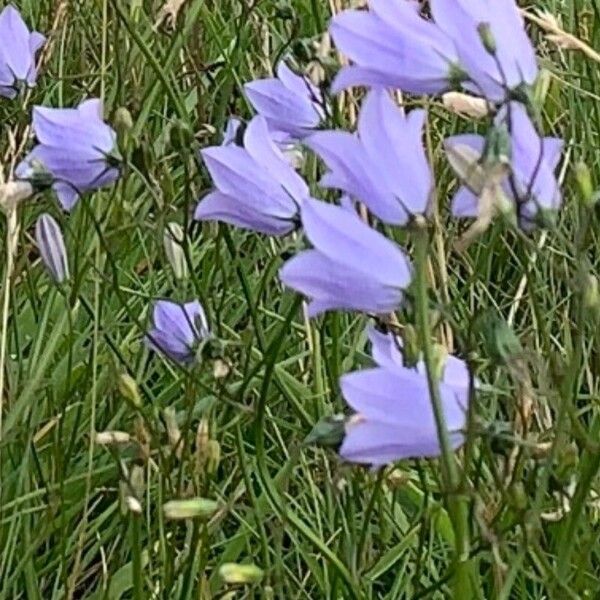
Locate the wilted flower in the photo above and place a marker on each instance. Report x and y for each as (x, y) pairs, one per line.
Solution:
(173, 239)
(75, 147)
(352, 266)
(391, 45)
(492, 43)
(18, 47)
(178, 329)
(256, 188)
(51, 245)
(289, 103)
(466, 105)
(384, 164)
(394, 418)
(533, 161)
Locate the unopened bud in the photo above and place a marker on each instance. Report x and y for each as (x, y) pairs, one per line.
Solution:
(487, 37)
(234, 573)
(50, 242)
(133, 505)
(191, 508)
(112, 438)
(137, 480)
(213, 454)
(591, 294)
(128, 388)
(221, 368)
(123, 121)
(583, 177)
(440, 354)
(173, 239)
(173, 431)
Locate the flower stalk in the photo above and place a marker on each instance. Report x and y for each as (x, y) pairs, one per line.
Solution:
(457, 508)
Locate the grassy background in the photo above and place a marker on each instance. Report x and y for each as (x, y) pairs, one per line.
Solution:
(319, 528)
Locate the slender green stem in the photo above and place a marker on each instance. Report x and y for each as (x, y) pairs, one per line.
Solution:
(136, 553)
(457, 508)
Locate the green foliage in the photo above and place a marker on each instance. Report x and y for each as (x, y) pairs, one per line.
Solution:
(79, 519)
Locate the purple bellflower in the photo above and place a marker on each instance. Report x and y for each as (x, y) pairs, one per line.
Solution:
(352, 267)
(393, 417)
(18, 49)
(289, 102)
(493, 47)
(52, 249)
(178, 330)
(531, 184)
(256, 188)
(391, 45)
(75, 148)
(384, 164)
(481, 44)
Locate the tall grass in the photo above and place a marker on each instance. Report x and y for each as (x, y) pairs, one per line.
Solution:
(317, 527)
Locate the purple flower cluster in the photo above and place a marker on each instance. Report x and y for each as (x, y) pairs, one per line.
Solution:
(381, 169)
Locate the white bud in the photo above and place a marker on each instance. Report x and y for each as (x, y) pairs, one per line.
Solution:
(172, 241)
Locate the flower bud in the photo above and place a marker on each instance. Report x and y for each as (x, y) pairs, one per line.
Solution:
(234, 573)
(51, 245)
(585, 184)
(128, 388)
(591, 294)
(213, 454)
(133, 505)
(192, 508)
(172, 242)
(112, 438)
(173, 431)
(123, 121)
(487, 38)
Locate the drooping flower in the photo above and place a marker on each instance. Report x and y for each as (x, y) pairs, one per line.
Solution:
(51, 245)
(492, 43)
(75, 148)
(384, 164)
(391, 45)
(481, 44)
(352, 267)
(393, 417)
(18, 49)
(530, 184)
(289, 102)
(178, 329)
(256, 188)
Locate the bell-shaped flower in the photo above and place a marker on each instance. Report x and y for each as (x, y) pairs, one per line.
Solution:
(289, 102)
(178, 330)
(256, 188)
(18, 49)
(384, 165)
(352, 266)
(50, 242)
(75, 147)
(394, 418)
(530, 183)
(391, 45)
(493, 46)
